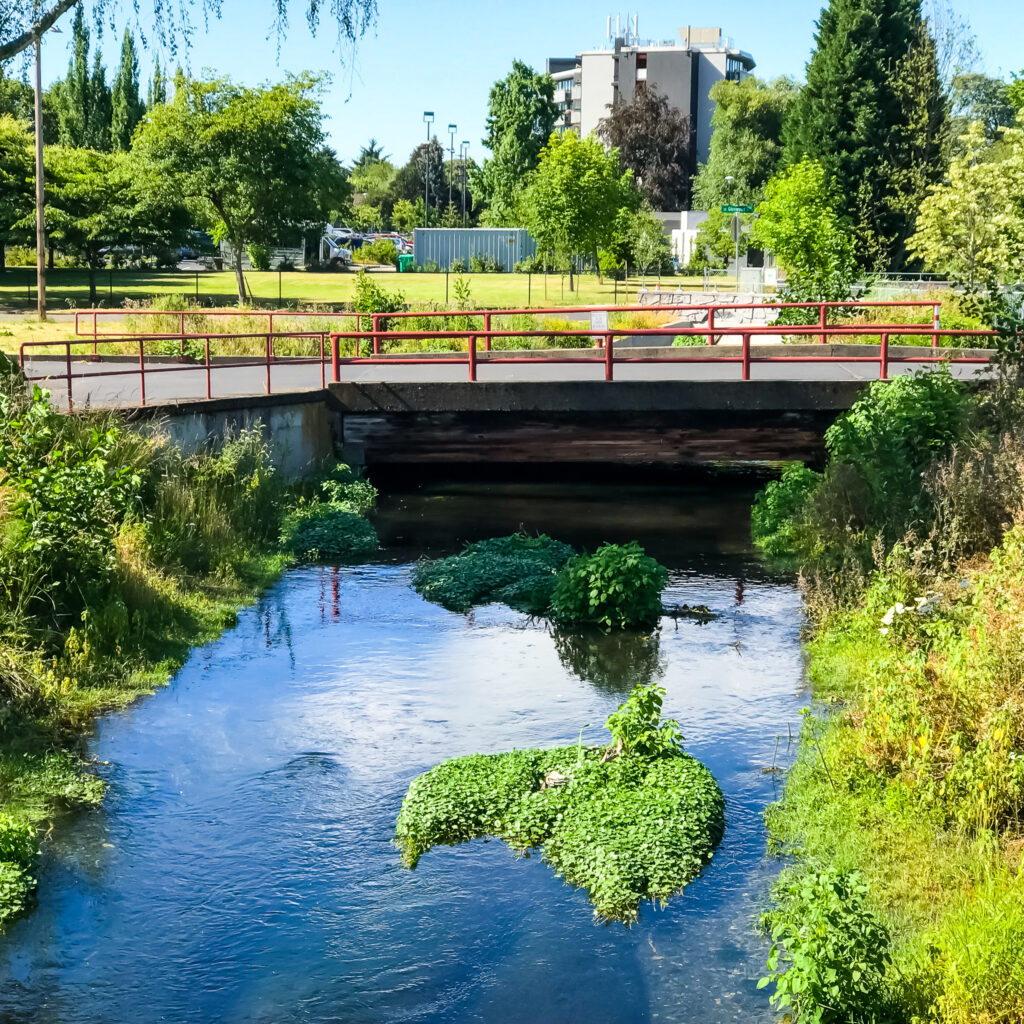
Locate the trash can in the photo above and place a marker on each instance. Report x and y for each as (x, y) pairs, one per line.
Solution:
(405, 262)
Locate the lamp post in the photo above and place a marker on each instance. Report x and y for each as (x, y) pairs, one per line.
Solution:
(735, 237)
(463, 153)
(452, 129)
(428, 120)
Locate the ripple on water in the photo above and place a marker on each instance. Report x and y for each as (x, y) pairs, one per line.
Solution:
(242, 868)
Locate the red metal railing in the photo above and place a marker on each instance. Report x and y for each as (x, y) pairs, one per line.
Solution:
(709, 310)
(347, 348)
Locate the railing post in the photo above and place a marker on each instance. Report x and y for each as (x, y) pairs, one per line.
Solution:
(487, 328)
(935, 325)
(209, 393)
(883, 358)
(471, 353)
(67, 353)
(181, 330)
(268, 364)
(335, 363)
(746, 358)
(609, 357)
(376, 334)
(323, 362)
(711, 325)
(822, 321)
(142, 370)
(95, 349)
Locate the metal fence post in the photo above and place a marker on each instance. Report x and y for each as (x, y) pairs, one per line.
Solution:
(822, 313)
(375, 341)
(711, 325)
(268, 364)
(883, 358)
(335, 362)
(746, 358)
(487, 329)
(935, 324)
(609, 357)
(142, 371)
(67, 353)
(471, 353)
(209, 392)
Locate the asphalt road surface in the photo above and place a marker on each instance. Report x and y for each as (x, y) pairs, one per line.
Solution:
(118, 384)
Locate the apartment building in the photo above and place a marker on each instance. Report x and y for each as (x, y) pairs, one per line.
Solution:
(684, 70)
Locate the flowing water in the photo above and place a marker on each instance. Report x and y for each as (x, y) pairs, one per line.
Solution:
(241, 868)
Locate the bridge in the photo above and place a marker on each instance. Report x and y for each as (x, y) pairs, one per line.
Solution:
(728, 389)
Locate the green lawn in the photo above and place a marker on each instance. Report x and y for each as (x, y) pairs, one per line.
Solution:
(70, 288)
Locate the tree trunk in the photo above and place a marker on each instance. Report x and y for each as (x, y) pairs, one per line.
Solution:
(239, 276)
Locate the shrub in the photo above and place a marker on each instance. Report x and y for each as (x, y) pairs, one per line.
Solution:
(380, 251)
(617, 587)
(322, 530)
(626, 829)
(457, 266)
(517, 570)
(829, 954)
(259, 256)
(372, 298)
(781, 507)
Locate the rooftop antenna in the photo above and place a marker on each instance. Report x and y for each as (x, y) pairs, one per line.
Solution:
(636, 27)
(608, 29)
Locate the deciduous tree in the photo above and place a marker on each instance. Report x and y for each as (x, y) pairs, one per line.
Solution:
(971, 227)
(17, 181)
(521, 116)
(252, 161)
(746, 141)
(800, 221)
(573, 197)
(656, 142)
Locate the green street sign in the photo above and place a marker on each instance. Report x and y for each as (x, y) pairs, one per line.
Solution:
(737, 209)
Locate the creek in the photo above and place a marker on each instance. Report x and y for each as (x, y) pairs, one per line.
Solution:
(241, 868)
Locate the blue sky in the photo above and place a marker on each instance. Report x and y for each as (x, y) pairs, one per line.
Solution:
(444, 55)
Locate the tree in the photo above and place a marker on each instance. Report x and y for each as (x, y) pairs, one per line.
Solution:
(647, 241)
(251, 160)
(17, 181)
(746, 141)
(373, 180)
(127, 106)
(847, 113)
(368, 217)
(88, 204)
(406, 215)
(371, 153)
(425, 162)
(22, 21)
(572, 198)
(972, 226)
(157, 87)
(521, 117)
(82, 100)
(100, 112)
(1015, 92)
(656, 142)
(984, 99)
(714, 236)
(799, 220)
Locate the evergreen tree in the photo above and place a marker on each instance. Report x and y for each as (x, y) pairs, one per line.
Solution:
(157, 87)
(72, 95)
(850, 112)
(100, 109)
(127, 106)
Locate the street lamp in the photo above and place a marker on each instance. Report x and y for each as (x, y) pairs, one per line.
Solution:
(452, 129)
(428, 120)
(463, 153)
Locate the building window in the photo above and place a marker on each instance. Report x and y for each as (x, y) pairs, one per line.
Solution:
(733, 69)
(641, 61)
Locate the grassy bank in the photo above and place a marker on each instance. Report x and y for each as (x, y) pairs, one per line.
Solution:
(904, 815)
(118, 553)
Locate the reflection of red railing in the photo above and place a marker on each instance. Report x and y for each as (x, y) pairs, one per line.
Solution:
(346, 348)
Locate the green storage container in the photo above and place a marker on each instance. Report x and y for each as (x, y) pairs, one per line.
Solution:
(405, 262)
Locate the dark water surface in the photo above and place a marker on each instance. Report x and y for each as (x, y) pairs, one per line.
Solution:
(241, 868)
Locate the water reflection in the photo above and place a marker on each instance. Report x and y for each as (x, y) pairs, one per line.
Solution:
(242, 868)
(612, 662)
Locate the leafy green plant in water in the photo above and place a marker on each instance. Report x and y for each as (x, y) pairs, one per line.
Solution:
(635, 827)
(617, 587)
(19, 852)
(518, 570)
(829, 953)
(779, 509)
(321, 530)
(637, 727)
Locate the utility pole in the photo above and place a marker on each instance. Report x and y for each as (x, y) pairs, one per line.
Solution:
(40, 220)
(452, 129)
(428, 120)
